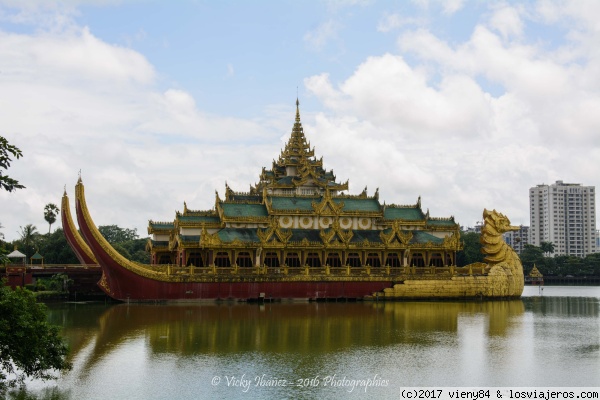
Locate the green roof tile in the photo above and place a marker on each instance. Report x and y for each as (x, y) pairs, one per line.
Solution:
(244, 210)
(190, 238)
(292, 203)
(424, 237)
(158, 225)
(361, 235)
(404, 213)
(437, 222)
(242, 234)
(371, 205)
(286, 180)
(199, 219)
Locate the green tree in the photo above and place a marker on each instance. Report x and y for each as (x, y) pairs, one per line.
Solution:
(7, 151)
(3, 251)
(114, 234)
(126, 242)
(592, 264)
(29, 237)
(471, 251)
(137, 250)
(55, 248)
(547, 247)
(50, 212)
(530, 256)
(3, 259)
(29, 346)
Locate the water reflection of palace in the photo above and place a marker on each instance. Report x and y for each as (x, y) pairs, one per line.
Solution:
(298, 327)
(174, 350)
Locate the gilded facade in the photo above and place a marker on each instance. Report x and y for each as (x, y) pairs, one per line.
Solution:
(298, 219)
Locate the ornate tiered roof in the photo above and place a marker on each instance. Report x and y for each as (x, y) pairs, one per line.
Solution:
(297, 166)
(303, 204)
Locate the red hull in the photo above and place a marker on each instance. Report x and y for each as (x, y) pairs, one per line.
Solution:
(122, 284)
(126, 285)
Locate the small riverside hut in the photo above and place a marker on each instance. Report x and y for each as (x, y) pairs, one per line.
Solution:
(37, 258)
(18, 257)
(535, 277)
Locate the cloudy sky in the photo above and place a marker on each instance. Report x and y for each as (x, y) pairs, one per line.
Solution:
(467, 104)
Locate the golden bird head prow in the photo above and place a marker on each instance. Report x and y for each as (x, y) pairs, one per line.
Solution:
(498, 221)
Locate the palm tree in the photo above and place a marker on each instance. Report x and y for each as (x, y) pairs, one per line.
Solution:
(50, 213)
(547, 247)
(29, 236)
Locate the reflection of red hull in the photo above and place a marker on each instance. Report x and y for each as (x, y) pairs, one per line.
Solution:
(122, 283)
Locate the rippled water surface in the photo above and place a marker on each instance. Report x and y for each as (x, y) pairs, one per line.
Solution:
(550, 337)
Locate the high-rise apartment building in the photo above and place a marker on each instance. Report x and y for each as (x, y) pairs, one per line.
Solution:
(565, 215)
(517, 239)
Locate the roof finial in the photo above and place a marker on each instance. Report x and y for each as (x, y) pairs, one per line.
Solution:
(297, 110)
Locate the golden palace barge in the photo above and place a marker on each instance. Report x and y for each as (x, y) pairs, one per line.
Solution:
(297, 235)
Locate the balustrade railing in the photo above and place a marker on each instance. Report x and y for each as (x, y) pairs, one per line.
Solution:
(313, 271)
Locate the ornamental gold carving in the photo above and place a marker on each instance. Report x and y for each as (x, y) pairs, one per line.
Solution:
(104, 284)
(345, 222)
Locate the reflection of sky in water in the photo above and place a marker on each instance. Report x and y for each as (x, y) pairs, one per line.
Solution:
(151, 352)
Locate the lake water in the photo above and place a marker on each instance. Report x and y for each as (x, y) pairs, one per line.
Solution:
(549, 338)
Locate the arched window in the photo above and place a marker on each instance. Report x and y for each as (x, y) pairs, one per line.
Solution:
(222, 260)
(353, 260)
(243, 259)
(271, 260)
(417, 260)
(333, 260)
(436, 260)
(393, 260)
(313, 260)
(164, 259)
(195, 259)
(292, 260)
(373, 260)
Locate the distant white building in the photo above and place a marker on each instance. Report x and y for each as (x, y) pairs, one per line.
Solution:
(565, 215)
(517, 239)
(472, 229)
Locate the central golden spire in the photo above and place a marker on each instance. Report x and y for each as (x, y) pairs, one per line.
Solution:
(297, 165)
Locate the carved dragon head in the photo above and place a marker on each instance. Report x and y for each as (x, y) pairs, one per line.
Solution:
(498, 221)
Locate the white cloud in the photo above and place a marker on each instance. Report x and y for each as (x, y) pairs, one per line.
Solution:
(388, 91)
(465, 123)
(319, 37)
(393, 21)
(448, 6)
(555, 92)
(338, 4)
(70, 56)
(507, 21)
(460, 141)
(71, 101)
